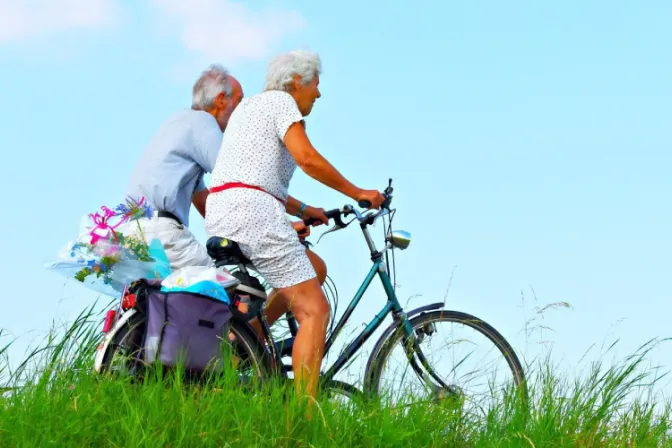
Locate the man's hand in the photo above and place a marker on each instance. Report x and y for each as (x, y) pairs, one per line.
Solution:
(317, 214)
(301, 228)
(375, 197)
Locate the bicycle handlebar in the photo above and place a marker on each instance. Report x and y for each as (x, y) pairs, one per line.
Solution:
(367, 218)
(334, 214)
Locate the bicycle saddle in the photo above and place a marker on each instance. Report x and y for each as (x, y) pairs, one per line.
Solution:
(225, 252)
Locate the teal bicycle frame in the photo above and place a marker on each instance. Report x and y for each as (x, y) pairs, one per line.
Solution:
(392, 306)
(284, 347)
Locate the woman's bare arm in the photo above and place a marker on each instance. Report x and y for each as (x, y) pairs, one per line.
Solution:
(314, 164)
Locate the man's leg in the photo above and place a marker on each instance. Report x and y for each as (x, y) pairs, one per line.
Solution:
(184, 250)
(180, 245)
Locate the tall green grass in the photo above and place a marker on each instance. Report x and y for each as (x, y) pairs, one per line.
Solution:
(53, 399)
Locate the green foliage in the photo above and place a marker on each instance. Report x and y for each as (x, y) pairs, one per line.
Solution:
(58, 402)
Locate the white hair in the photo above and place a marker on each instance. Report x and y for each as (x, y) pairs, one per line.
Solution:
(283, 68)
(213, 81)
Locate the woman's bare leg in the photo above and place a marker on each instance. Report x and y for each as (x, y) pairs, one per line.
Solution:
(311, 309)
(276, 305)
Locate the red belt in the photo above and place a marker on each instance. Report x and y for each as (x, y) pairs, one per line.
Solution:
(241, 185)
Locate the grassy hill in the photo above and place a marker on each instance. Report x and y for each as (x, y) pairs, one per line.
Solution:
(54, 400)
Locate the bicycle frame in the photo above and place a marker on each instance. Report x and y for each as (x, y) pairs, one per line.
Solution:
(391, 307)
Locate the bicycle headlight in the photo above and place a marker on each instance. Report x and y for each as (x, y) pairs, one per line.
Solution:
(400, 239)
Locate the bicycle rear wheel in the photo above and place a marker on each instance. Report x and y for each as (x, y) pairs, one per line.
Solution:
(434, 385)
(123, 359)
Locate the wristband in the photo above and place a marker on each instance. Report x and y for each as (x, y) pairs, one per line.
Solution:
(302, 210)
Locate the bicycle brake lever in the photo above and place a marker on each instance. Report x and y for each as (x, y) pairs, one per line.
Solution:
(335, 228)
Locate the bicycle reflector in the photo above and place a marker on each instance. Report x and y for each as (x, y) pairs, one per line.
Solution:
(109, 318)
(128, 301)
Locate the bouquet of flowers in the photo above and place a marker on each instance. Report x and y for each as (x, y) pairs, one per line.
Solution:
(106, 260)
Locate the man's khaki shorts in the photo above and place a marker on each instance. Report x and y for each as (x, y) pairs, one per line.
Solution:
(182, 249)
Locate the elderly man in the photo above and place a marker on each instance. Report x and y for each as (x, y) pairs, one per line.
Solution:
(169, 173)
(263, 144)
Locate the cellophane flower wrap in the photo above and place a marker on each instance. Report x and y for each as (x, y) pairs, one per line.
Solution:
(106, 260)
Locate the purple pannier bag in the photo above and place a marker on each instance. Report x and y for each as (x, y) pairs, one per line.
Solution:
(186, 329)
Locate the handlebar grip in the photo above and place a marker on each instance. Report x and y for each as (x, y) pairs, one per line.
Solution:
(331, 214)
(364, 203)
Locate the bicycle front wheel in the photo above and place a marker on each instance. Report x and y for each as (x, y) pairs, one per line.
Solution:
(458, 368)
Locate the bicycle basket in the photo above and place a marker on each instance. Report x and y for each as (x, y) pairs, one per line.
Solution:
(182, 329)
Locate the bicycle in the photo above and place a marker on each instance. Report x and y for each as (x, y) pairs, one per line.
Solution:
(407, 330)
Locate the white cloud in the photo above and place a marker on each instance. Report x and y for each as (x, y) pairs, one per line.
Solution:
(23, 19)
(223, 30)
(216, 30)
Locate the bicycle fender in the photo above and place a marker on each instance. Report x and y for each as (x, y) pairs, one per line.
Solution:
(102, 348)
(393, 326)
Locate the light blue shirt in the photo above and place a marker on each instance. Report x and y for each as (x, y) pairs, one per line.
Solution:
(172, 166)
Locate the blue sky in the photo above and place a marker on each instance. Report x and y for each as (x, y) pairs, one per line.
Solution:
(529, 145)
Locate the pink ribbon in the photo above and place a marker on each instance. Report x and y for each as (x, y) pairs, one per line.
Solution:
(103, 226)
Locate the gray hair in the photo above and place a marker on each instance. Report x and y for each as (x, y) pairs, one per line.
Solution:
(213, 81)
(283, 68)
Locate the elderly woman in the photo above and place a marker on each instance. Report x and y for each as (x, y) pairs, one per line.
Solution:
(264, 142)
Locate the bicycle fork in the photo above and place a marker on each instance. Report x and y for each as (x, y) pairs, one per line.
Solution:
(411, 343)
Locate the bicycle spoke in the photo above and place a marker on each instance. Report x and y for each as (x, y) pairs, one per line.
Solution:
(423, 372)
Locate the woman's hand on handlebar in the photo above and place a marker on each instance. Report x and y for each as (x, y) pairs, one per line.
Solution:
(315, 216)
(334, 214)
(370, 199)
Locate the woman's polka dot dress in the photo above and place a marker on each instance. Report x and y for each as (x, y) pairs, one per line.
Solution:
(253, 153)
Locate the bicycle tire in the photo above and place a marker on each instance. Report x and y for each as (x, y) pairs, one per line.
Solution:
(342, 387)
(124, 338)
(375, 366)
